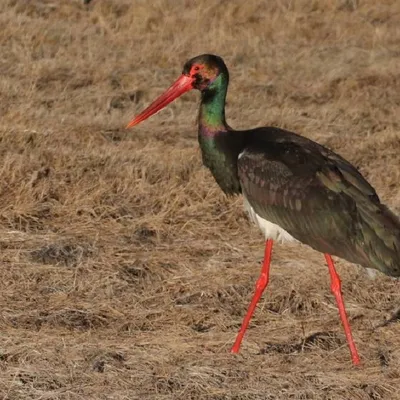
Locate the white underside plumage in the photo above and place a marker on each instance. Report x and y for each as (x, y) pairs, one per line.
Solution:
(275, 232)
(269, 229)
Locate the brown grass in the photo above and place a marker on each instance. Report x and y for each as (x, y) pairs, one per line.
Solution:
(125, 270)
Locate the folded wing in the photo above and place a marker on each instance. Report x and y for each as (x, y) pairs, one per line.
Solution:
(319, 198)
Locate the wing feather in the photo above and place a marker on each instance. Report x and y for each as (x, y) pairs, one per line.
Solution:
(301, 191)
(319, 198)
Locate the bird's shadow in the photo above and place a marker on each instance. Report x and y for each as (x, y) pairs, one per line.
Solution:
(395, 317)
(322, 340)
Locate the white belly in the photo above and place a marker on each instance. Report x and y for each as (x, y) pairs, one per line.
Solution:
(269, 229)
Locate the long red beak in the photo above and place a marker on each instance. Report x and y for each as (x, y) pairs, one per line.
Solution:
(182, 85)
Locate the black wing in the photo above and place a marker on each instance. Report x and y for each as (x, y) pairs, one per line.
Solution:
(318, 197)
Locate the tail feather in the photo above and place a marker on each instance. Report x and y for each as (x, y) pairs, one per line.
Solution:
(380, 237)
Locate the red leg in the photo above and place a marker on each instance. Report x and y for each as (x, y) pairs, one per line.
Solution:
(337, 291)
(261, 284)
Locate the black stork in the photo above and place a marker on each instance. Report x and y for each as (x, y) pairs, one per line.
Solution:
(293, 188)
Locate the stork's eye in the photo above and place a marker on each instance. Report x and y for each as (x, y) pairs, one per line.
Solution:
(196, 68)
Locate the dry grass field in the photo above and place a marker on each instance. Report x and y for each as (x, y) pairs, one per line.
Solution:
(125, 270)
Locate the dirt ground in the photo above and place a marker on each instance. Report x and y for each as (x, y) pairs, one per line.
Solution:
(125, 271)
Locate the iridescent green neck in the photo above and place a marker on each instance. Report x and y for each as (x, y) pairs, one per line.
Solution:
(212, 107)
